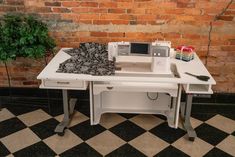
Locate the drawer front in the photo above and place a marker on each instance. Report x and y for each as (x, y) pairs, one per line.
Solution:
(64, 83)
(171, 89)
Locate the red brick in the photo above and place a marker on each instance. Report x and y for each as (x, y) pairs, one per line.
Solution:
(101, 22)
(108, 5)
(89, 4)
(98, 10)
(230, 12)
(125, 5)
(137, 11)
(7, 8)
(52, 3)
(174, 11)
(30, 83)
(117, 11)
(14, 2)
(109, 16)
(146, 17)
(61, 10)
(70, 4)
(116, 35)
(80, 10)
(185, 5)
(85, 21)
(99, 34)
(89, 16)
(39, 9)
(225, 18)
(228, 48)
(119, 22)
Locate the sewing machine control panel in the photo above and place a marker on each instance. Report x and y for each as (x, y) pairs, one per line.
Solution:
(157, 48)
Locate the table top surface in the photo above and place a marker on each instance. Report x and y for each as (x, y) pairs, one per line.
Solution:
(194, 66)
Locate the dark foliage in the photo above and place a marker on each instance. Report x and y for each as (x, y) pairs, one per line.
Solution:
(23, 36)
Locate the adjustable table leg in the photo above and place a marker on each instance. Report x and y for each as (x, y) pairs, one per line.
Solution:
(68, 105)
(186, 113)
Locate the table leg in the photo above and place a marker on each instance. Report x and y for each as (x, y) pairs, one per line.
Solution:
(186, 113)
(68, 105)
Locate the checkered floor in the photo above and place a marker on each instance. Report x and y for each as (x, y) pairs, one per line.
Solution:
(29, 132)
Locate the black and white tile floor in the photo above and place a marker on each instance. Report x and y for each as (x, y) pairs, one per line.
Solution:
(30, 132)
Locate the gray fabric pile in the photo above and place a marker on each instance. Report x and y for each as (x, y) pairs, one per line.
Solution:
(89, 58)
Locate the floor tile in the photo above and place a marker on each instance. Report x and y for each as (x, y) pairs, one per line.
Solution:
(146, 121)
(86, 131)
(148, 144)
(126, 150)
(215, 152)
(34, 117)
(127, 130)
(228, 145)
(167, 133)
(210, 134)
(105, 142)
(3, 150)
(203, 116)
(128, 115)
(216, 131)
(222, 123)
(230, 116)
(18, 110)
(171, 152)
(76, 119)
(10, 126)
(5, 114)
(83, 150)
(39, 149)
(45, 129)
(196, 148)
(109, 120)
(20, 140)
(60, 144)
(233, 133)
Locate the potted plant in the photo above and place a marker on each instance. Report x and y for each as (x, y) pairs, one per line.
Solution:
(23, 36)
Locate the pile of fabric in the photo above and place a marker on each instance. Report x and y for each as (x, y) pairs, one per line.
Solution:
(89, 58)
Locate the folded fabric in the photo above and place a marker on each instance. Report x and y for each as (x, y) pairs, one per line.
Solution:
(185, 53)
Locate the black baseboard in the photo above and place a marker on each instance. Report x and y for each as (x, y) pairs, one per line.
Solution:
(38, 94)
(44, 98)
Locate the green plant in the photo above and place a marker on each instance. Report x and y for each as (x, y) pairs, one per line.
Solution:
(23, 36)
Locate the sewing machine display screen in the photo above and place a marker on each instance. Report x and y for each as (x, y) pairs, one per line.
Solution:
(140, 48)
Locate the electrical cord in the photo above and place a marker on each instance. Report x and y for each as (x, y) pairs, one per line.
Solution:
(211, 28)
(152, 98)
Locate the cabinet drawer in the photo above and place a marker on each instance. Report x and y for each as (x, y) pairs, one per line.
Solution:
(74, 84)
(170, 88)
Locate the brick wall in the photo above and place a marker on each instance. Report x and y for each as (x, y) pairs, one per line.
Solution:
(180, 21)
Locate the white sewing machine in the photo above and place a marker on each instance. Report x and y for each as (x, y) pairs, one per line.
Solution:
(156, 55)
(148, 80)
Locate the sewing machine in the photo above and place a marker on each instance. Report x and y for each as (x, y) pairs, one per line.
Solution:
(148, 79)
(140, 54)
